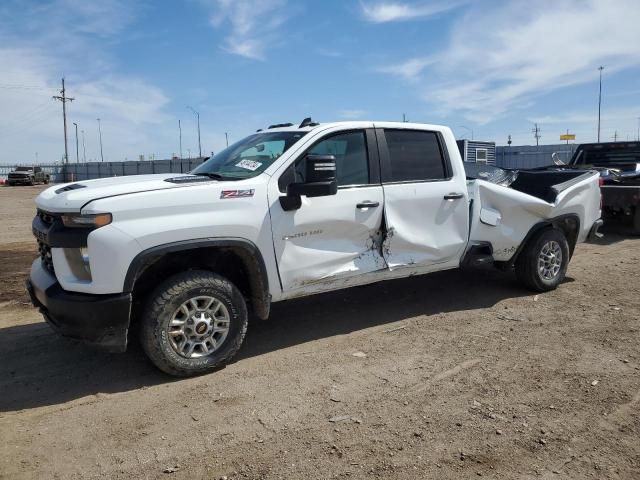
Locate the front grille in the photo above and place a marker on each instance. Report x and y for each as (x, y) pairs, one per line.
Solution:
(45, 217)
(45, 256)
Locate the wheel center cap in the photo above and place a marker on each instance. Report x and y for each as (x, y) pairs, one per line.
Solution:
(201, 328)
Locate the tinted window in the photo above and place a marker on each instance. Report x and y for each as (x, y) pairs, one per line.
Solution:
(415, 155)
(352, 164)
(350, 150)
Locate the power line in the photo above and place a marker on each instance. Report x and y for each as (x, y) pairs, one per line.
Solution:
(64, 99)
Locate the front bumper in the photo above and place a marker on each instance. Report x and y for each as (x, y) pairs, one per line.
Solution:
(23, 180)
(100, 320)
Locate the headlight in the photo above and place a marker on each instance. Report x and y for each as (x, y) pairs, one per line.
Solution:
(86, 221)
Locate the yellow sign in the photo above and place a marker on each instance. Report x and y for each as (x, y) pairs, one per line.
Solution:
(568, 136)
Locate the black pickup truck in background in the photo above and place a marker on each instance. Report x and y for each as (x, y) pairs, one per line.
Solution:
(27, 176)
(619, 165)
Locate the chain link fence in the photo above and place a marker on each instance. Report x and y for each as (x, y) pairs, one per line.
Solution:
(72, 172)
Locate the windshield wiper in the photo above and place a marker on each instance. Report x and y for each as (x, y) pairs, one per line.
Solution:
(217, 176)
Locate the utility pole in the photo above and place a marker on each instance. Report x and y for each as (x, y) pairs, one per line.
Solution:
(639, 129)
(509, 140)
(84, 150)
(615, 136)
(77, 154)
(180, 130)
(64, 99)
(404, 118)
(189, 152)
(226, 137)
(536, 134)
(100, 137)
(198, 117)
(599, 100)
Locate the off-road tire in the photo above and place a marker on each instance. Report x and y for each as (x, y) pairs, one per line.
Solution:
(167, 298)
(526, 266)
(46, 181)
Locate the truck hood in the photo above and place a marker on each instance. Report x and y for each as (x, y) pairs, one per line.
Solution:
(71, 197)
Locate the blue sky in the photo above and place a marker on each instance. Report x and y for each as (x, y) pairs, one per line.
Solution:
(496, 67)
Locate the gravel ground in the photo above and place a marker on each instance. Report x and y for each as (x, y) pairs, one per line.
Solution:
(450, 375)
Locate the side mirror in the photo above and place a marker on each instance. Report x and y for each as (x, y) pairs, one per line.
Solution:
(320, 181)
(556, 159)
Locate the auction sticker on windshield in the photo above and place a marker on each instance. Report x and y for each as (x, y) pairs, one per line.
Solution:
(249, 164)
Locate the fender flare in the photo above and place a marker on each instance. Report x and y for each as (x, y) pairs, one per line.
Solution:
(550, 222)
(247, 250)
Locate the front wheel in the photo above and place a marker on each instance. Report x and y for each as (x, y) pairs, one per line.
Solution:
(194, 322)
(543, 263)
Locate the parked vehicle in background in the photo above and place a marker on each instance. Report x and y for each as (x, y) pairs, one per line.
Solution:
(27, 176)
(284, 213)
(619, 165)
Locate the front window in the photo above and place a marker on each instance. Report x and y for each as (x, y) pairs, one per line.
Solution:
(249, 157)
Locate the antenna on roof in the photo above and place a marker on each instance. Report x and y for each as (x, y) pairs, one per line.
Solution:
(307, 122)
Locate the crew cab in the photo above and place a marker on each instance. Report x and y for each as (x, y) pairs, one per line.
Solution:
(283, 213)
(27, 176)
(619, 164)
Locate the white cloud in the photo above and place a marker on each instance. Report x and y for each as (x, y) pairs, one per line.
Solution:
(505, 56)
(384, 11)
(409, 70)
(254, 25)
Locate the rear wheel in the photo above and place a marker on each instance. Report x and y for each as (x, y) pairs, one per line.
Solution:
(194, 322)
(543, 263)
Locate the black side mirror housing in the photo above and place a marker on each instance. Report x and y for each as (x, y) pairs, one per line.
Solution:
(320, 181)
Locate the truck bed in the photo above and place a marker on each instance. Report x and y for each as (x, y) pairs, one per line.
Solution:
(506, 204)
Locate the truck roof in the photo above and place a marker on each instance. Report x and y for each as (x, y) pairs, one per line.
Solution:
(351, 124)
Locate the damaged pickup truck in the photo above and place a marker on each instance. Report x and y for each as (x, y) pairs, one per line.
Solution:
(288, 212)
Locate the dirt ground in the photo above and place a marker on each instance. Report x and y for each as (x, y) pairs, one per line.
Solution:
(451, 375)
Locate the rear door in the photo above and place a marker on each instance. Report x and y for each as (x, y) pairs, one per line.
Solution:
(330, 241)
(426, 202)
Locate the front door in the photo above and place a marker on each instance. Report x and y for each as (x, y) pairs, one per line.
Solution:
(329, 241)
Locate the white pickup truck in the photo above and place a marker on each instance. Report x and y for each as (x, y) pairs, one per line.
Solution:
(287, 212)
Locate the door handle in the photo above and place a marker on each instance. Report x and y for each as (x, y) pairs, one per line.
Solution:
(453, 196)
(368, 204)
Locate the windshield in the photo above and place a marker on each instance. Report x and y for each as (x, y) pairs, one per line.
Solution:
(249, 157)
(24, 169)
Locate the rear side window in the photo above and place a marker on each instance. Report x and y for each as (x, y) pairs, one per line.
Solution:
(415, 156)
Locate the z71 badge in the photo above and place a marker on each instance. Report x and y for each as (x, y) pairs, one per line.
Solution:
(237, 193)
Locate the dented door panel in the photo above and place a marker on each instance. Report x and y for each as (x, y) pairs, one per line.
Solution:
(422, 228)
(328, 239)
